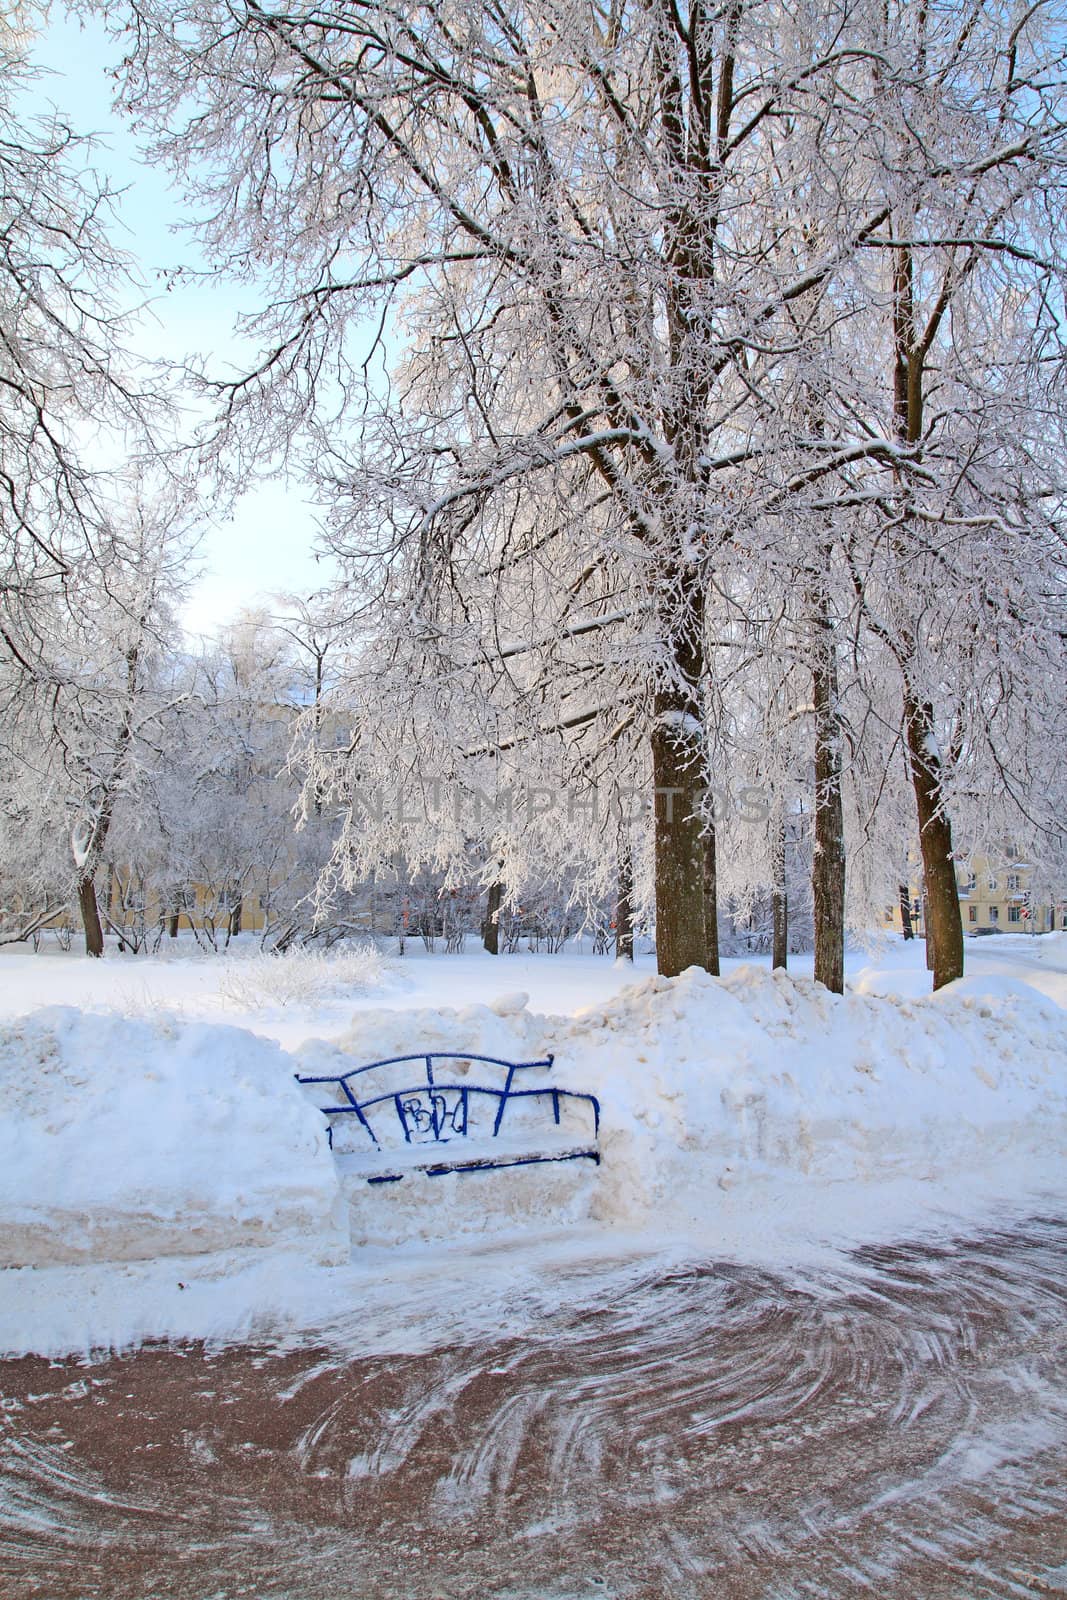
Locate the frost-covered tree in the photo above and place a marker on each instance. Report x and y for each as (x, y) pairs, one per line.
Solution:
(578, 217)
(972, 282)
(68, 398)
(91, 714)
(580, 299)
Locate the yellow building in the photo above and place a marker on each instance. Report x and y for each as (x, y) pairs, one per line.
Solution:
(1000, 894)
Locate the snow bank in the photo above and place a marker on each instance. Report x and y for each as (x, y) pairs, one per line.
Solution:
(712, 1085)
(125, 1139)
(724, 1084)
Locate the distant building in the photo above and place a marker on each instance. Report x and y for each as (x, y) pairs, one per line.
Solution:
(996, 893)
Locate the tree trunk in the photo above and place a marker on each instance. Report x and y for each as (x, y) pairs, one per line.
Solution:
(90, 915)
(779, 903)
(624, 911)
(236, 912)
(905, 912)
(491, 926)
(89, 858)
(681, 936)
(114, 911)
(711, 901)
(172, 924)
(678, 779)
(828, 868)
(944, 925)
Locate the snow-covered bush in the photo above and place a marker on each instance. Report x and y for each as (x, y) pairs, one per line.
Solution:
(302, 977)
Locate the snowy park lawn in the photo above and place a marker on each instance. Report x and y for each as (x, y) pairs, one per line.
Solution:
(249, 990)
(162, 1172)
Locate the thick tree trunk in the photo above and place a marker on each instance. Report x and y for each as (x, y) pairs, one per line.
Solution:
(678, 777)
(686, 928)
(624, 911)
(828, 868)
(172, 924)
(681, 936)
(90, 915)
(491, 926)
(236, 912)
(711, 901)
(905, 912)
(944, 925)
(779, 903)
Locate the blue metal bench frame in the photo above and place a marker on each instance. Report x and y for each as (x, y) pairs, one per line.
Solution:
(446, 1122)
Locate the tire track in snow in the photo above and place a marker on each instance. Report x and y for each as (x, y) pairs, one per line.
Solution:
(896, 1427)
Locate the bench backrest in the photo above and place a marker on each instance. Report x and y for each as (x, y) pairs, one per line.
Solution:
(435, 1102)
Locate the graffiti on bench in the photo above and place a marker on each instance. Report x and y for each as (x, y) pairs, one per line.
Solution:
(385, 1121)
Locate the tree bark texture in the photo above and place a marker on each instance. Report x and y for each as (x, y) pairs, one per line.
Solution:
(944, 924)
(624, 911)
(828, 867)
(907, 928)
(678, 778)
(491, 926)
(779, 902)
(90, 915)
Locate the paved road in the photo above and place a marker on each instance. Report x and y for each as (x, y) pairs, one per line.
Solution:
(897, 1428)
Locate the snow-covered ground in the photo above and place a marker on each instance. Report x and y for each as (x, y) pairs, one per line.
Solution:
(178, 1162)
(236, 988)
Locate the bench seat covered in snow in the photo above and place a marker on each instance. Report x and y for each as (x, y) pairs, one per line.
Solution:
(446, 1111)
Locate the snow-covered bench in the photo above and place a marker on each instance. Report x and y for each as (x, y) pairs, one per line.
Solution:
(444, 1111)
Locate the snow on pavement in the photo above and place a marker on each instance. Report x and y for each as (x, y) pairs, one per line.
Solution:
(892, 1423)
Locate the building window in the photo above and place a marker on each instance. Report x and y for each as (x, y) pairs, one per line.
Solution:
(994, 913)
(1013, 880)
(1013, 914)
(992, 884)
(972, 913)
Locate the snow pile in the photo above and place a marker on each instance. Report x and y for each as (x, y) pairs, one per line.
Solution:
(709, 1085)
(123, 1139)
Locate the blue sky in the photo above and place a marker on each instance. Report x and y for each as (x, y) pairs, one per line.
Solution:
(272, 532)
